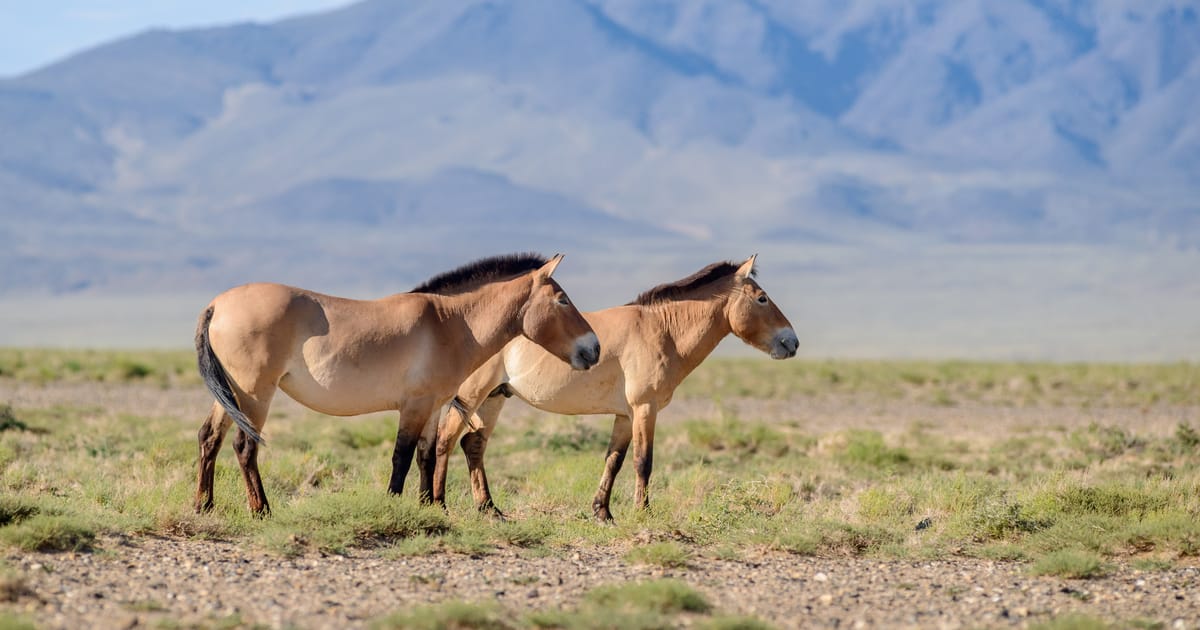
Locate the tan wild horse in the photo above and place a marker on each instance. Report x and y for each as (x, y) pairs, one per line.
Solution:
(345, 357)
(649, 347)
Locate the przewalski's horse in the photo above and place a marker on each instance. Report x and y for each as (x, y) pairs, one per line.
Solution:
(649, 347)
(342, 357)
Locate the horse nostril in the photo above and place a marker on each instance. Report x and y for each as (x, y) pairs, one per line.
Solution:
(788, 343)
(587, 353)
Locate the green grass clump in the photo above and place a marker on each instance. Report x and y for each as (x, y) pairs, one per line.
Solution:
(468, 542)
(737, 438)
(646, 605)
(650, 605)
(1071, 563)
(1151, 564)
(884, 504)
(661, 596)
(131, 370)
(529, 532)
(412, 546)
(9, 420)
(355, 517)
(868, 449)
(47, 532)
(10, 621)
(860, 539)
(1108, 500)
(15, 510)
(1187, 438)
(999, 519)
(668, 554)
(449, 616)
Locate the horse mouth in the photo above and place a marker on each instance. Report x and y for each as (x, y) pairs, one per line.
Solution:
(785, 345)
(580, 363)
(780, 353)
(587, 352)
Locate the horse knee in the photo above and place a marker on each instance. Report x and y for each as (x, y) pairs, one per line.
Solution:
(473, 444)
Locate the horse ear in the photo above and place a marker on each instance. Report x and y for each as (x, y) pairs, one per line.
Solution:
(747, 269)
(545, 270)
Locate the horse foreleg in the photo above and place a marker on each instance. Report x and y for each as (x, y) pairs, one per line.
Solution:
(427, 455)
(643, 452)
(413, 417)
(212, 432)
(618, 444)
(474, 444)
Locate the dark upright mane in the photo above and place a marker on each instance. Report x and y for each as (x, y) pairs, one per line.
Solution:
(482, 271)
(679, 288)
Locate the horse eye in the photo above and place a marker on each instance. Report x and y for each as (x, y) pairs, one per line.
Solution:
(762, 299)
(563, 301)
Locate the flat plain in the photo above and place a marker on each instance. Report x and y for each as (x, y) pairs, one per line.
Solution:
(785, 494)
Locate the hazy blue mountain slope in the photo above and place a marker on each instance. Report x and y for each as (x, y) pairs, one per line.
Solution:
(474, 203)
(200, 156)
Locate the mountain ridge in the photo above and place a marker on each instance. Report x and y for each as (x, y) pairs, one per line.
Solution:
(842, 139)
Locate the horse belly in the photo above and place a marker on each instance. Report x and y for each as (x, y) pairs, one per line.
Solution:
(340, 398)
(355, 374)
(579, 393)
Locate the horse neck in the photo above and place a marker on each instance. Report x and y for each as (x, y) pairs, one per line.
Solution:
(492, 313)
(696, 326)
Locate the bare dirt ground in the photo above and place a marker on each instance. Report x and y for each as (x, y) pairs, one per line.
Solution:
(140, 582)
(149, 581)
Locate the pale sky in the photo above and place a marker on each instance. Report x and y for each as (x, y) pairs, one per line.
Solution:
(35, 33)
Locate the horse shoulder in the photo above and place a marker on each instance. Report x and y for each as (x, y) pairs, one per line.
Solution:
(620, 328)
(434, 343)
(637, 340)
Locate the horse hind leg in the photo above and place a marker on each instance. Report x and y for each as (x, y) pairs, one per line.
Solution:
(452, 425)
(427, 457)
(247, 452)
(212, 432)
(474, 444)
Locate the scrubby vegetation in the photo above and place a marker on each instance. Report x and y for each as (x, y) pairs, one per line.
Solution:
(1068, 499)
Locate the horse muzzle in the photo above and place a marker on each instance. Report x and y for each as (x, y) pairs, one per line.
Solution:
(586, 353)
(784, 345)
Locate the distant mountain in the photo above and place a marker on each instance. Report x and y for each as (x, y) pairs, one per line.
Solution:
(430, 132)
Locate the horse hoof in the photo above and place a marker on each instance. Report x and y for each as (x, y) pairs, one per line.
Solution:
(493, 512)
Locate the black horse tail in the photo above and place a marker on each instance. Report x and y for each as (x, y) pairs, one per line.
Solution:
(457, 403)
(217, 380)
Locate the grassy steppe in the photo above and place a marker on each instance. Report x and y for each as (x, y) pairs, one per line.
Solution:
(1067, 499)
